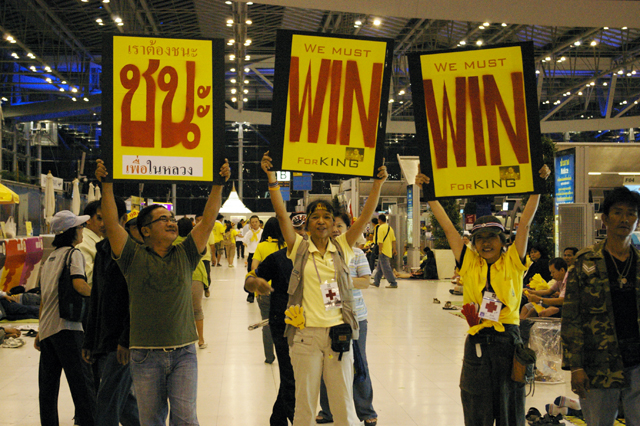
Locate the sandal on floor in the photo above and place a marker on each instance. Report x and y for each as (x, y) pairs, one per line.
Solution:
(321, 420)
(436, 301)
(371, 422)
(533, 415)
(13, 343)
(449, 307)
(455, 293)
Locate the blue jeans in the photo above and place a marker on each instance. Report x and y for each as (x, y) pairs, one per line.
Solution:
(601, 406)
(115, 402)
(160, 377)
(362, 391)
(384, 266)
(264, 302)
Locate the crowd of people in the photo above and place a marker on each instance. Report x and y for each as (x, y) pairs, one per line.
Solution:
(131, 359)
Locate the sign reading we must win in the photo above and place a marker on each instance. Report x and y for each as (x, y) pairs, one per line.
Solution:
(333, 105)
(476, 114)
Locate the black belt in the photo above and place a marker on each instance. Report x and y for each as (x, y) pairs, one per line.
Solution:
(488, 339)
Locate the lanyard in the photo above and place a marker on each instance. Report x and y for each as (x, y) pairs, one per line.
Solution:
(318, 273)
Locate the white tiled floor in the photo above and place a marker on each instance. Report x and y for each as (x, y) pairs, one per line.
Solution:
(414, 349)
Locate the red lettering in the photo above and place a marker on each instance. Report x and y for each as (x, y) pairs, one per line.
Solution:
(139, 133)
(368, 123)
(493, 101)
(174, 133)
(440, 136)
(476, 121)
(296, 110)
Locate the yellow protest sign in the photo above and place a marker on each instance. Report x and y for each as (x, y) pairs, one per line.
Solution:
(478, 111)
(333, 93)
(165, 103)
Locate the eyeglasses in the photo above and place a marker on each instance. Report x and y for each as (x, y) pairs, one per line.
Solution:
(164, 219)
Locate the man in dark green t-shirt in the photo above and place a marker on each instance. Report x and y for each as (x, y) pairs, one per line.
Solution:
(164, 366)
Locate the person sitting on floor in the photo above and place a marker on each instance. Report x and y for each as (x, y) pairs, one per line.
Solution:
(552, 305)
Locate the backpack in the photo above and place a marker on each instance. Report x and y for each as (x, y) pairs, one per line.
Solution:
(73, 306)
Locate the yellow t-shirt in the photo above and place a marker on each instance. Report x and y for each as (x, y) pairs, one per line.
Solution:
(218, 231)
(506, 280)
(211, 241)
(230, 237)
(312, 302)
(266, 248)
(386, 248)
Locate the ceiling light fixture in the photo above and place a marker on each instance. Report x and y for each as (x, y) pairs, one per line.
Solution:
(247, 57)
(462, 42)
(248, 22)
(233, 91)
(401, 92)
(247, 70)
(479, 42)
(234, 99)
(85, 99)
(577, 43)
(377, 22)
(504, 24)
(233, 81)
(246, 82)
(245, 100)
(246, 91)
(593, 43)
(486, 24)
(358, 22)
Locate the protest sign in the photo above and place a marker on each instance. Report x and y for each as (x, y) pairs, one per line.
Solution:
(330, 103)
(476, 113)
(163, 108)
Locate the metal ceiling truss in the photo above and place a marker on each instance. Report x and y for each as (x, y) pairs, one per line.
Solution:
(66, 36)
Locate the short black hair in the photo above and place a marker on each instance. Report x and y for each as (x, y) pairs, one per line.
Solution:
(623, 195)
(538, 247)
(314, 204)
(575, 250)
(65, 239)
(219, 217)
(253, 217)
(382, 217)
(558, 263)
(345, 218)
(142, 217)
(374, 220)
(184, 226)
(92, 208)
(272, 230)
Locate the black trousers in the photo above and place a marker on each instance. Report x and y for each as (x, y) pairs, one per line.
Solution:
(62, 351)
(488, 393)
(285, 404)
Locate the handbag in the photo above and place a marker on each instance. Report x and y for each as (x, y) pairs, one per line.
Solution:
(73, 306)
(524, 365)
(340, 338)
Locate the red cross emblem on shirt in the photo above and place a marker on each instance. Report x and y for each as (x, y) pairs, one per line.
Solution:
(331, 294)
(491, 307)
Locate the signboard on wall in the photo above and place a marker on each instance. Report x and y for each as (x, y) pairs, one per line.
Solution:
(163, 108)
(332, 92)
(565, 177)
(477, 112)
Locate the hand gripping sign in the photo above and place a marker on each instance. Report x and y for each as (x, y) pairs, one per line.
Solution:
(476, 112)
(163, 108)
(331, 96)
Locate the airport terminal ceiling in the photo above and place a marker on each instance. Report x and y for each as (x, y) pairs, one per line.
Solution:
(587, 55)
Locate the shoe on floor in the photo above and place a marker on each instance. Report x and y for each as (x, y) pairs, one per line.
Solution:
(391, 286)
(203, 345)
(266, 361)
(321, 420)
(207, 293)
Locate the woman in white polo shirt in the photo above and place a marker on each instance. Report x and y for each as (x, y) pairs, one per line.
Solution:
(320, 284)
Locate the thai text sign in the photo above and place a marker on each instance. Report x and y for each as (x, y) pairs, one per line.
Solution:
(331, 96)
(165, 108)
(478, 111)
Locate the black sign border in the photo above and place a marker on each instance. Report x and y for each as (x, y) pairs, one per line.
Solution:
(281, 94)
(531, 102)
(217, 108)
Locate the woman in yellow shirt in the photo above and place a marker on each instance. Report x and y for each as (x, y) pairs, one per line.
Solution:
(229, 241)
(321, 303)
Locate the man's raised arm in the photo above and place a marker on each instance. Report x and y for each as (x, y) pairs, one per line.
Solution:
(116, 234)
(202, 230)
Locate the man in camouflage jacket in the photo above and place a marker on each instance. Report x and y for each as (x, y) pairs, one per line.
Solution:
(603, 370)
(588, 335)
